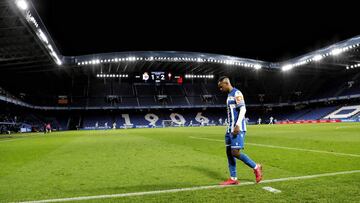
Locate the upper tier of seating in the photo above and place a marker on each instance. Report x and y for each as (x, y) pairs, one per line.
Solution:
(117, 93)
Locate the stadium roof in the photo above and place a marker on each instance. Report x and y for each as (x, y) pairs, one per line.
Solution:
(27, 45)
(20, 34)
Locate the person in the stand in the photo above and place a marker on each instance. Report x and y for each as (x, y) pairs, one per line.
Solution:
(220, 121)
(259, 121)
(96, 125)
(191, 123)
(114, 125)
(106, 125)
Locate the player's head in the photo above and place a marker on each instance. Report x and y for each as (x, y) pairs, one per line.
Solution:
(224, 84)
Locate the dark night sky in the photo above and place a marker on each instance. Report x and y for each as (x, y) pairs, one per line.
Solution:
(259, 31)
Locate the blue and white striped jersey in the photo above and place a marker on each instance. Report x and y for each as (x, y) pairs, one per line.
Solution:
(234, 102)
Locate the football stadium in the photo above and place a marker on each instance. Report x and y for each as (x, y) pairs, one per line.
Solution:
(110, 115)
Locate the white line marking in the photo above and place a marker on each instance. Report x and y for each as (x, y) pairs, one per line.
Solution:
(346, 126)
(10, 139)
(271, 189)
(189, 189)
(280, 147)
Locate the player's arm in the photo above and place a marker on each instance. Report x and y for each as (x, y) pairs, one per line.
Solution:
(240, 104)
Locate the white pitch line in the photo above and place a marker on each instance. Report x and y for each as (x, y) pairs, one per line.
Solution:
(345, 126)
(189, 189)
(271, 189)
(10, 139)
(280, 147)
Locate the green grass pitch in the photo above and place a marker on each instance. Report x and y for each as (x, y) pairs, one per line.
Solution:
(86, 163)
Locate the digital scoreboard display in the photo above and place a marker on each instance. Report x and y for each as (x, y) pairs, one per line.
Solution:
(158, 77)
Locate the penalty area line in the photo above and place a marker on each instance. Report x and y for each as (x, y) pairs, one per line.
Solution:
(189, 188)
(281, 147)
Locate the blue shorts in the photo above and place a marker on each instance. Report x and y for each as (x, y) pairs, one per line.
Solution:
(236, 142)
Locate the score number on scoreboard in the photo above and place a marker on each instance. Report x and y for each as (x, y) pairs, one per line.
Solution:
(156, 77)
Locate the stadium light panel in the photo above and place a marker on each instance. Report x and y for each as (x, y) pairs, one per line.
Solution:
(257, 66)
(43, 36)
(336, 52)
(317, 57)
(58, 61)
(287, 67)
(22, 4)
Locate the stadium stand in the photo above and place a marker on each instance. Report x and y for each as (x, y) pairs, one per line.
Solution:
(316, 114)
(344, 112)
(75, 92)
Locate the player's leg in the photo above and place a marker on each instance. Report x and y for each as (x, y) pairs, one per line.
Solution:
(231, 163)
(244, 158)
(237, 143)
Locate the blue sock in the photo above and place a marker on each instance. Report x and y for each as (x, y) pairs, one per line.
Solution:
(244, 158)
(231, 162)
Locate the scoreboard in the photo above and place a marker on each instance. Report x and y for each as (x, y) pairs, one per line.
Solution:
(158, 77)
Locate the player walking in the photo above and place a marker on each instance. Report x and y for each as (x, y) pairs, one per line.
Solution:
(235, 133)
